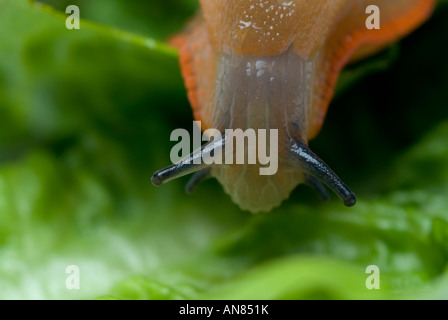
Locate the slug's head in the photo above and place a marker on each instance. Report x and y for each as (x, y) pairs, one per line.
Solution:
(245, 70)
(248, 83)
(255, 192)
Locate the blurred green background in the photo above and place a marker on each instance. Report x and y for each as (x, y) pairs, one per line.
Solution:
(85, 119)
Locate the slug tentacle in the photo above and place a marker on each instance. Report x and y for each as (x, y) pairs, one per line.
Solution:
(318, 187)
(190, 164)
(197, 179)
(314, 166)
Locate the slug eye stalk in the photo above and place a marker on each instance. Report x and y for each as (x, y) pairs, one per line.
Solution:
(188, 165)
(318, 172)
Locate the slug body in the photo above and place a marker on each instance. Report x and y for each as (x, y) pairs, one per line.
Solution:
(269, 64)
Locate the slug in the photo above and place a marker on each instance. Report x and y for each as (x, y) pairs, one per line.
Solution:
(274, 64)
